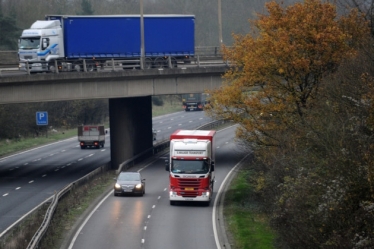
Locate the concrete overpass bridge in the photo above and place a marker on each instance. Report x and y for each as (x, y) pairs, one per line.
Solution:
(129, 93)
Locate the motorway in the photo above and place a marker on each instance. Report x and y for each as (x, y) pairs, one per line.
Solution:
(30, 177)
(150, 221)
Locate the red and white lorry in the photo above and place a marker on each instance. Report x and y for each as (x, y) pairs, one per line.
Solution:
(91, 136)
(191, 166)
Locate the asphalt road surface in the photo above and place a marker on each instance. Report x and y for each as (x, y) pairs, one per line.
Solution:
(132, 222)
(31, 177)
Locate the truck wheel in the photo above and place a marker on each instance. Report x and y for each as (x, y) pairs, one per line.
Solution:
(148, 63)
(159, 62)
(77, 67)
(90, 66)
(83, 147)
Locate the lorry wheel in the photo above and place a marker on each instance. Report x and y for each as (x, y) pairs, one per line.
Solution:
(83, 147)
(77, 67)
(148, 63)
(159, 62)
(91, 67)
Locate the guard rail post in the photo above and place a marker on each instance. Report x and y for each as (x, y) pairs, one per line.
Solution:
(112, 64)
(56, 67)
(84, 66)
(27, 67)
(169, 62)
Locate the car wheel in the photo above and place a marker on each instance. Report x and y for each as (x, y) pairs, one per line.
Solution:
(115, 193)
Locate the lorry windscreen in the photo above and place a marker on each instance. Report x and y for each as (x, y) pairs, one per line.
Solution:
(29, 43)
(189, 166)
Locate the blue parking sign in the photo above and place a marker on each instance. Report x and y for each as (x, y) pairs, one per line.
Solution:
(41, 118)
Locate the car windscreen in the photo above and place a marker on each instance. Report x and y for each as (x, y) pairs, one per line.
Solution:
(190, 166)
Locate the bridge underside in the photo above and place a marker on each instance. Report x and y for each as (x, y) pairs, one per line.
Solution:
(132, 83)
(130, 128)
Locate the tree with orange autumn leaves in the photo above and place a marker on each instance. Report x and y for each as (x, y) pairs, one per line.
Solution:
(279, 69)
(301, 88)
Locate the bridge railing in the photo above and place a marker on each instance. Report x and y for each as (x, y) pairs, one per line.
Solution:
(204, 56)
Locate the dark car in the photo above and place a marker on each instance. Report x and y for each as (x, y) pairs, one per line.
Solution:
(129, 183)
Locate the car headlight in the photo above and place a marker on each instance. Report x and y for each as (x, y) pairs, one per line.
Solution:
(139, 185)
(117, 185)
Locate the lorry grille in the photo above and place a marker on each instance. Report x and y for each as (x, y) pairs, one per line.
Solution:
(189, 187)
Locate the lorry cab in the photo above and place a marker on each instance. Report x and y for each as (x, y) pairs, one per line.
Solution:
(191, 166)
(40, 44)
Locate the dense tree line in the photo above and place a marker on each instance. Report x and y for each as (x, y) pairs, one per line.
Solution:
(19, 120)
(303, 94)
(235, 15)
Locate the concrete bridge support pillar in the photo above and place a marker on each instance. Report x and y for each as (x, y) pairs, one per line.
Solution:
(130, 128)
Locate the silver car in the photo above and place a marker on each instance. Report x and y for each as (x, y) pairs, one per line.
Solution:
(129, 183)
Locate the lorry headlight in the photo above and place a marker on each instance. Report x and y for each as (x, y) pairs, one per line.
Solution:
(117, 185)
(172, 193)
(206, 193)
(138, 186)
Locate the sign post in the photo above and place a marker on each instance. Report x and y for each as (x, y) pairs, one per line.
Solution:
(42, 119)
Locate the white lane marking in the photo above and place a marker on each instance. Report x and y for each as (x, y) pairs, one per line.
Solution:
(31, 181)
(149, 216)
(63, 150)
(56, 169)
(90, 155)
(26, 163)
(86, 220)
(159, 198)
(143, 241)
(103, 149)
(68, 164)
(216, 200)
(179, 124)
(94, 210)
(153, 206)
(51, 154)
(44, 175)
(18, 188)
(165, 189)
(80, 159)
(145, 228)
(169, 127)
(5, 194)
(23, 152)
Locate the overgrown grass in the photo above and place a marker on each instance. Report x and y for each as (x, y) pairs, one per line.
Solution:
(71, 207)
(166, 108)
(247, 229)
(8, 146)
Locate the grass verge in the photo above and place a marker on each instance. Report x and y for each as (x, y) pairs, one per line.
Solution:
(246, 227)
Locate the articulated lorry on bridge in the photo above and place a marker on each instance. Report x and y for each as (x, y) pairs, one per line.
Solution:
(91, 136)
(191, 166)
(78, 43)
(194, 101)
